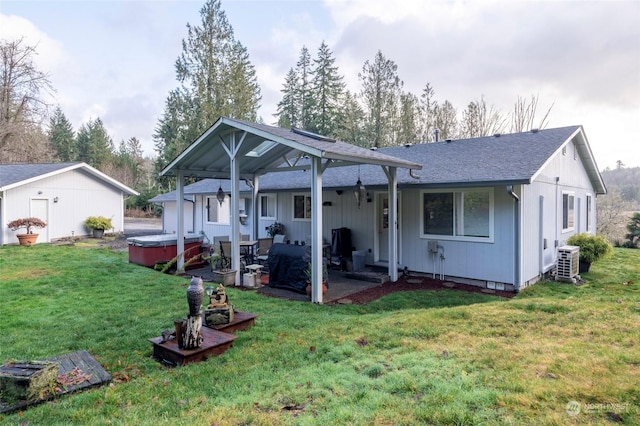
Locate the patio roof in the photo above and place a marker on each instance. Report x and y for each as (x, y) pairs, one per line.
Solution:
(263, 149)
(240, 150)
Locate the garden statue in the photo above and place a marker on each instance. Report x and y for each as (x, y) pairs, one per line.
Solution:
(191, 328)
(219, 311)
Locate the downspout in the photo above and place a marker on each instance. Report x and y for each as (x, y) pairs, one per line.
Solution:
(516, 229)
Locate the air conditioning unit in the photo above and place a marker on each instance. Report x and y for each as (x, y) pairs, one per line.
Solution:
(567, 263)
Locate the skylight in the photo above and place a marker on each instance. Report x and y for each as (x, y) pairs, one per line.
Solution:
(261, 149)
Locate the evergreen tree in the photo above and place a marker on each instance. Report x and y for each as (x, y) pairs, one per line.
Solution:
(61, 136)
(381, 89)
(328, 88)
(409, 128)
(305, 96)
(94, 145)
(216, 79)
(427, 112)
(288, 108)
(350, 128)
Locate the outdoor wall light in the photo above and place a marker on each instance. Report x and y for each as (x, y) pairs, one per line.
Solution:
(359, 191)
(55, 199)
(220, 195)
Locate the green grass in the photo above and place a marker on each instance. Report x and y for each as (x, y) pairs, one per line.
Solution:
(443, 357)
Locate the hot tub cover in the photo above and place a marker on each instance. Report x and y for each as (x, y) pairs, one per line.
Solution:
(162, 240)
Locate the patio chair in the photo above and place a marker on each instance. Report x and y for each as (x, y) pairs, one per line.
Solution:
(264, 244)
(225, 254)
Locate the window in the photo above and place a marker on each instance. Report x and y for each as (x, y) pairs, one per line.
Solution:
(301, 207)
(589, 212)
(217, 213)
(568, 213)
(268, 206)
(464, 215)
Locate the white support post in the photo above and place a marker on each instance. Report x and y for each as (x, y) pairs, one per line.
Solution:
(393, 224)
(316, 230)
(256, 207)
(235, 210)
(180, 218)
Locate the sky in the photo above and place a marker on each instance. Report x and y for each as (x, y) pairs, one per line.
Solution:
(115, 59)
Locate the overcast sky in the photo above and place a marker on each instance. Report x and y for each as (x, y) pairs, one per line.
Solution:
(115, 59)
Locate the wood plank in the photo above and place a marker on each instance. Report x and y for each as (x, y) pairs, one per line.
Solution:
(241, 321)
(67, 362)
(214, 343)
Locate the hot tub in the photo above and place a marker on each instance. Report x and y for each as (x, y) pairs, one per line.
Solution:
(150, 250)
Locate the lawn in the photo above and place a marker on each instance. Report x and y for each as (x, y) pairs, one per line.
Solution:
(444, 357)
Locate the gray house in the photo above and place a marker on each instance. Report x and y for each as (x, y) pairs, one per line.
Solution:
(488, 211)
(61, 194)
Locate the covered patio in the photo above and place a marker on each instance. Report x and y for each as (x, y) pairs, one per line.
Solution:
(242, 151)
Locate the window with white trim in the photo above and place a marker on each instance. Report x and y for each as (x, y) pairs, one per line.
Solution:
(458, 215)
(301, 207)
(568, 211)
(268, 206)
(217, 213)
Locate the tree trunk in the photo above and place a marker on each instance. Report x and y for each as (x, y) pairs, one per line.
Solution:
(192, 332)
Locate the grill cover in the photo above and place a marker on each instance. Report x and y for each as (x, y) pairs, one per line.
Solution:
(288, 264)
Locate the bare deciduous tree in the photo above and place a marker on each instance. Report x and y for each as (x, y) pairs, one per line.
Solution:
(612, 215)
(524, 115)
(23, 108)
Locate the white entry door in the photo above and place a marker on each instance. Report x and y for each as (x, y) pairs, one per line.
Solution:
(382, 225)
(40, 209)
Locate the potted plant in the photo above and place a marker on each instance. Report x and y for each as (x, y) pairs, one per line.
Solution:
(98, 224)
(224, 274)
(29, 238)
(592, 248)
(325, 277)
(275, 228)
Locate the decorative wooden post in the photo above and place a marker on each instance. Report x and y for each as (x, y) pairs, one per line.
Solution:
(192, 328)
(192, 333)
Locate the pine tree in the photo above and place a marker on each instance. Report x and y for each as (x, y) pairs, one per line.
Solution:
(381, 89)
(94, 145)
(61, 136)
(409, 130)
(328, 87)
(427, 111)
(288, 108)
(216, 79)
(350, 127)
(305, 95)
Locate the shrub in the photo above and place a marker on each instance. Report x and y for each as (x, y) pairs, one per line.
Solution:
(98, 222)
(592, 247)
(633, 237)
(27, 223)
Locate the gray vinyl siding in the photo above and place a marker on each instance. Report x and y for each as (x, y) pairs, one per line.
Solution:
(545, 189)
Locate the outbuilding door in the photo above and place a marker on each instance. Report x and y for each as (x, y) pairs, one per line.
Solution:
(40, 209)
